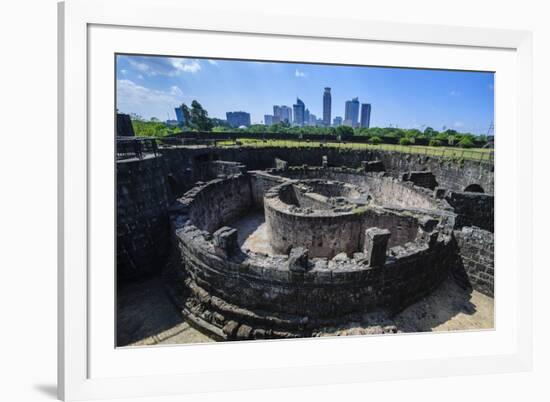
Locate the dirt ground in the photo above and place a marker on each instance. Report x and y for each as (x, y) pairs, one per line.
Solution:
(253, 235)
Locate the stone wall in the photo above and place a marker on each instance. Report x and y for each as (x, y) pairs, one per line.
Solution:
(473, 209)
(391, 192)
(143, 198)
(260, 183)
(245, 296)
(384, 190)
(225, 168)
(402, 226)
(421, 179)
(475, 265)
(146, 188)
(323, 232)
(450, 174)
(219, 201)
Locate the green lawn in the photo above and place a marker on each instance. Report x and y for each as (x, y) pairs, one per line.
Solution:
(479, 154)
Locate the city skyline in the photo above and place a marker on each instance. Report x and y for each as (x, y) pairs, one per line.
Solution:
(152, 86)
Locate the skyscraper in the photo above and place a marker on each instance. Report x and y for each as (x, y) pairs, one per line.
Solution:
(268, 119)
(299, 112)
(306, 117)
(237, 119)
(365, 115)
(179, 116)
(327, 106)
(352, 112)
(312, 119)
(337, 121)
(281, 114)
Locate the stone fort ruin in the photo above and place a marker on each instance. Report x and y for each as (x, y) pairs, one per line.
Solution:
(275, 242)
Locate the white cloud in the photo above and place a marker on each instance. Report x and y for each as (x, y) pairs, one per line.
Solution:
(458, 124)
(165, 66)
(454, 93)
(147, 102)
(143, 67)
(176, 91)
(123, 71)
(213, 62)
(299, 74)
(185, 66)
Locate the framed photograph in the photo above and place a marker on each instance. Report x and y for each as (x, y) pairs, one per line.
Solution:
(255, 201)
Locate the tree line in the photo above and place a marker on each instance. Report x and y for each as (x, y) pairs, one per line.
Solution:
(196, 119)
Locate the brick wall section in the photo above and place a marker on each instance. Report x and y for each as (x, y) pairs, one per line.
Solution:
(475, 265)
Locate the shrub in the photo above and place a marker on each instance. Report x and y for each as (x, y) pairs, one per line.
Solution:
(434, 143)
(466, 142)
(405, 141)
(375, 140)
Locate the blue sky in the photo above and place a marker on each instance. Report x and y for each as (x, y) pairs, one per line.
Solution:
(152, 86)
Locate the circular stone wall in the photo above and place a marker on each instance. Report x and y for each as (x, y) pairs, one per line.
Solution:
(326, 217)
(236, 294)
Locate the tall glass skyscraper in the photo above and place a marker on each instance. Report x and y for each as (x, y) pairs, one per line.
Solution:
(365, 115)
(179, 116)
(299, 112)
(352, 113)
(327, 106)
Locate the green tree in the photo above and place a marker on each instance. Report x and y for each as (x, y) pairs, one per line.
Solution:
(199, 117)
(429, 132)
(344, 131)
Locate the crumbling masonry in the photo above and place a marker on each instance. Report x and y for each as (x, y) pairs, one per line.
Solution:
(348, 231)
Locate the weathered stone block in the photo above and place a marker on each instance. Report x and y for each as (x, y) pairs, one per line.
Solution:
(324, 162)
(230, 328)
(244, 332)
(281, 164)
(298, 259)
(226, 241)
(376, 244)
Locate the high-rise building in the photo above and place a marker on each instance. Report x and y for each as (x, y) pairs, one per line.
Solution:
(312, 119)
(299, 112)
(352, 113)
(306, 117)
(337, 121)
(365, 115)
(237, 119)
(179, 116)
(277, 113)
(282, 114)
(327, 107)
(268, 119)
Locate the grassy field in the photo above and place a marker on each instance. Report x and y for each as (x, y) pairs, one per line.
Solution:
(478, 154)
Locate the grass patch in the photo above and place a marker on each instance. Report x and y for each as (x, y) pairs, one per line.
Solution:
(476, 154)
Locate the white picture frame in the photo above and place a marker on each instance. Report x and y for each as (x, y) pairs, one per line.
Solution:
(78, 377)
